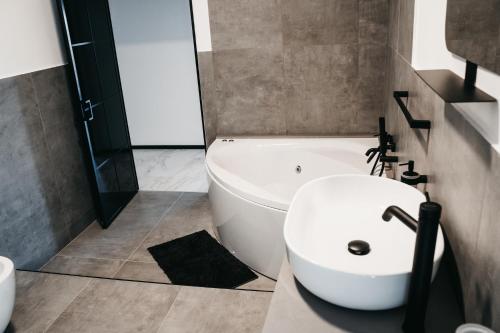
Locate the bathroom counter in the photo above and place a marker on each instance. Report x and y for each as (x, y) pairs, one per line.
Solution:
(294, 309)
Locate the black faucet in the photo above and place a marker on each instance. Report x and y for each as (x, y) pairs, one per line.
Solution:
(411, 177)
(423, 260)
(386, 143)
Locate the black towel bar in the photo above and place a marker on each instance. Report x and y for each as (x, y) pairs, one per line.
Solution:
(422, 124)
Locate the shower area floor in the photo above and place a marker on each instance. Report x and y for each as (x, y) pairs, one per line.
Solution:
(120, 252)
(181, 170)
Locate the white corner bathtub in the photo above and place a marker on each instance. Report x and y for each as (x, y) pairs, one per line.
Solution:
(253, 181)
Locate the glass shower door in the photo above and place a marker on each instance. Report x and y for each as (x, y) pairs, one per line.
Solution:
(92, 56)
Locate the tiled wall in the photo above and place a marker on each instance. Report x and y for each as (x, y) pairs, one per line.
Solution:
(464, 172)
(45, 199)
(295, 67)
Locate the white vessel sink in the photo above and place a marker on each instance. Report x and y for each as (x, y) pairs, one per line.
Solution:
(328, 213)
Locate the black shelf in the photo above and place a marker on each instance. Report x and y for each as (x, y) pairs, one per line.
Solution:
(451, 87)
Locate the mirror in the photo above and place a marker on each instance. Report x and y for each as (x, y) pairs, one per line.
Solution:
(473, 31)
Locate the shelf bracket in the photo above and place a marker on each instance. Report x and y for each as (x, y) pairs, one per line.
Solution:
(421, 124)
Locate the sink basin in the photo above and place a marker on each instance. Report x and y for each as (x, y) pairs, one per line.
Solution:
(327, 214)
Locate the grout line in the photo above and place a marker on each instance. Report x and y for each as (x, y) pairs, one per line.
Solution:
(74, 239)
(124, 261)
(139, 281)
(107, 259)
(81, 257)
(169, 309)
(160, 219)
(58, 254)
(50, 324)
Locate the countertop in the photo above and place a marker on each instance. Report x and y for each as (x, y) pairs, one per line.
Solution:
(294, 309)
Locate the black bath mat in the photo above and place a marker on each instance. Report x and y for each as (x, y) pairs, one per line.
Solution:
(199, 260)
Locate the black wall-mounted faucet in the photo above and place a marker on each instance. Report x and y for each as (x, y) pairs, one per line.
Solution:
(411, 177)
(423, 261)
(386, 143)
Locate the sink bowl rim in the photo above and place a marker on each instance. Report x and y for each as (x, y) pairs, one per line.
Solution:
(438, 253)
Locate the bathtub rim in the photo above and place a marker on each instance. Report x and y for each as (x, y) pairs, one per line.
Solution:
(252, 197)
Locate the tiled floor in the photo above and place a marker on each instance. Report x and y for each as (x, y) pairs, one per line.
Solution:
(121, 250)
(171, 170)
(106, 281)
(60, 303)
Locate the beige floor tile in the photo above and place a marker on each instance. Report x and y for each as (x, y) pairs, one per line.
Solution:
(106, 268)
(142, 271)
(205, 310)
(117, 306)
(191, 213)
(41, 298)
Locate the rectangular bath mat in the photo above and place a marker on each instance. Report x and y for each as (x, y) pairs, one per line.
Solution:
(199, 260)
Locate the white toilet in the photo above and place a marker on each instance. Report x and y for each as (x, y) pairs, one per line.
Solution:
(7, 291)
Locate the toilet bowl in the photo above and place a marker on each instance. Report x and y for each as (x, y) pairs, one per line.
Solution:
(7, 291)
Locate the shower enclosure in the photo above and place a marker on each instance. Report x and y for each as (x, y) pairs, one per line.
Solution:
(92, 56)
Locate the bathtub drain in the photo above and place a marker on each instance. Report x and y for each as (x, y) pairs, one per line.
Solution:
(298, 169)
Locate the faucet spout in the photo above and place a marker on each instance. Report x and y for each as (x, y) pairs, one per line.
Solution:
(401, 215)
(426, 229)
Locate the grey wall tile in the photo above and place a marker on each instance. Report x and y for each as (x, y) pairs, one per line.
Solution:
(207, 82)
(462, 168)
(317, 94)
(405, 27)
(61, 135)
(318, 85)
(463, 173)
(484, 285)
(373, 21)
(249, 90)
(46, 199)
(458, 186)
(367, 96)
(33, 228)
(393, 24)
(319, 22)
(245, 24)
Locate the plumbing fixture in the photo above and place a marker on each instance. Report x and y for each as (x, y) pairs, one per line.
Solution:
(411, 177)
(386, 144)
(427, 230)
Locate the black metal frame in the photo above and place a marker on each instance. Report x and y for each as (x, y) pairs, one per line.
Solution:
(470, 75)
(198, 73)
(421, 124)
(82, 120)
(169, 147)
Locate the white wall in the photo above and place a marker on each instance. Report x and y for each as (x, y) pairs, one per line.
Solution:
(202, 25)
(29, 37)
(158, 71)
(430, 52)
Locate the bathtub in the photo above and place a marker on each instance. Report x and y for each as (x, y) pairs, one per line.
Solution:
(253, 180)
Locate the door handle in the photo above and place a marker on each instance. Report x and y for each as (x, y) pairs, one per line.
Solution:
(87, 110)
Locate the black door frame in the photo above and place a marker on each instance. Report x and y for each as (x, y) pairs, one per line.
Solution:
(76, 89)
(84, 133)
